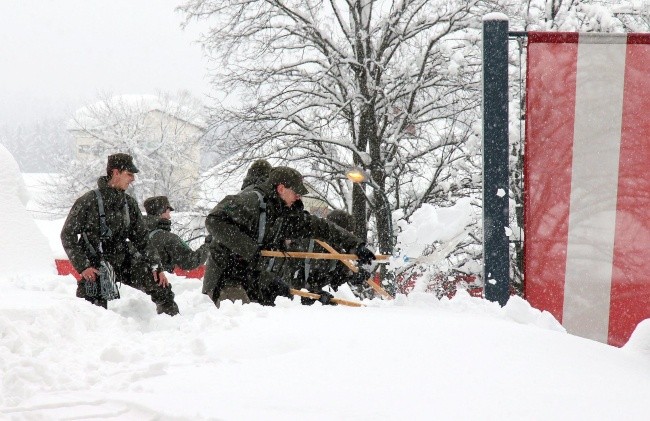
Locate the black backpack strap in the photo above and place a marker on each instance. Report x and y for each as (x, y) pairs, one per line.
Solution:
(104, 230)
(308, 260)
(261, 225)
(100, 204)
(89, 246)
(154, 232)
(127, 216)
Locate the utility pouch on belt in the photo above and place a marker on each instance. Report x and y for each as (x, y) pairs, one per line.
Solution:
(105, 286)
(108, 289)
(92, 290)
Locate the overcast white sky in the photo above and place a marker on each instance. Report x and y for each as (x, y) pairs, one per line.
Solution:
(56, 55)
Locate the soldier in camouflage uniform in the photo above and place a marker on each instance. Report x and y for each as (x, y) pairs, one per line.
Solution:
(80, 235)
(241, 228)
(315, 274)
(172, 251)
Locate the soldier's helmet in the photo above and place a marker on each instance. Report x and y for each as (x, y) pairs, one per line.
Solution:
(121, 162)
(157, 205)
(289, 178)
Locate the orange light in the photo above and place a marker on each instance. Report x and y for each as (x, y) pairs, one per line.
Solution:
(356, 175)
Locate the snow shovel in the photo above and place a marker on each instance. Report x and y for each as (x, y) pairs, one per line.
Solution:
(332, 250)
(441, 254)
(376, 287)
(334, 300)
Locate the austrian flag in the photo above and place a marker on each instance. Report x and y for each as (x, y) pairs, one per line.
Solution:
(587, 172)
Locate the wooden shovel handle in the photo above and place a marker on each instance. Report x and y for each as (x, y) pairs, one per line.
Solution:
(317, 296)
(332, 250)
(327, 256)
(378, 289)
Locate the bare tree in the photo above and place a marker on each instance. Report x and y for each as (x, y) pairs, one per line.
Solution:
(388, 87)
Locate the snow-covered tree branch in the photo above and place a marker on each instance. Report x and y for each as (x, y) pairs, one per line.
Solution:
(389, 87)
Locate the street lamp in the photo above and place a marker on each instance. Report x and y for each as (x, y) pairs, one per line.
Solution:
(358, 176)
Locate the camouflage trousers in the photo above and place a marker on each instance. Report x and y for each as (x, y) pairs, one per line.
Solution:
(141, 279)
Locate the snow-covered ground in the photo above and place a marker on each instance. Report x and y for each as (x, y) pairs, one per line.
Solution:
(414, 358)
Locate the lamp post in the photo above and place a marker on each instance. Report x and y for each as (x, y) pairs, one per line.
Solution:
(358, 176)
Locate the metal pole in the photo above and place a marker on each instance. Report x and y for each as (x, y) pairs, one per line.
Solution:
(496, 262)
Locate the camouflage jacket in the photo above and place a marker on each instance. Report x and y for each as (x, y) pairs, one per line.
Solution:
(84, 218)
(173, 251)
(234, 224)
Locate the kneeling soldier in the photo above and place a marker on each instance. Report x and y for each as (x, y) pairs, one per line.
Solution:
(259, 218)
(97, 231)
(173, 251)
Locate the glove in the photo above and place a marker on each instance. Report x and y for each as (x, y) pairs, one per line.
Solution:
(208, 239)
(306, 301)
(277, 287)
(326, 298)
(364, 254)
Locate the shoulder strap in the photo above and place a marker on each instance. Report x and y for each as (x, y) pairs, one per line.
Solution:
(308, 261)
(152, 233)
(261, 225)
(100, 203)
(104, 230)
(89, 246)
(127, 216)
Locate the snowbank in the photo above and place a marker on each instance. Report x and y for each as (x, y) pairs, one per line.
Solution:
(24, 247)
(415, 358)
(429, 224)
(640, 339)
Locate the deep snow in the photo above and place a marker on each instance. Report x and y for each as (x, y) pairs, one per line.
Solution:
(414, 358)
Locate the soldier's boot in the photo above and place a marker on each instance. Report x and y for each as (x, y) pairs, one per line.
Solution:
(81, 293)
(164, 300)
(167, 308)
(232, 293)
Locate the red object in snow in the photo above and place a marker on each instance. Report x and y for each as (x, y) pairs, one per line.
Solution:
(64, 267)
(194, 273)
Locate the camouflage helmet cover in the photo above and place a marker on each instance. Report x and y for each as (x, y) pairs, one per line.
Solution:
(289, 178)
(157, 205)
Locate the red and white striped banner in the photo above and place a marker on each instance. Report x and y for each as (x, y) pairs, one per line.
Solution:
(587, 172)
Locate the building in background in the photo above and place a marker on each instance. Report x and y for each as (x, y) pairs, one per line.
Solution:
(163, 134)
